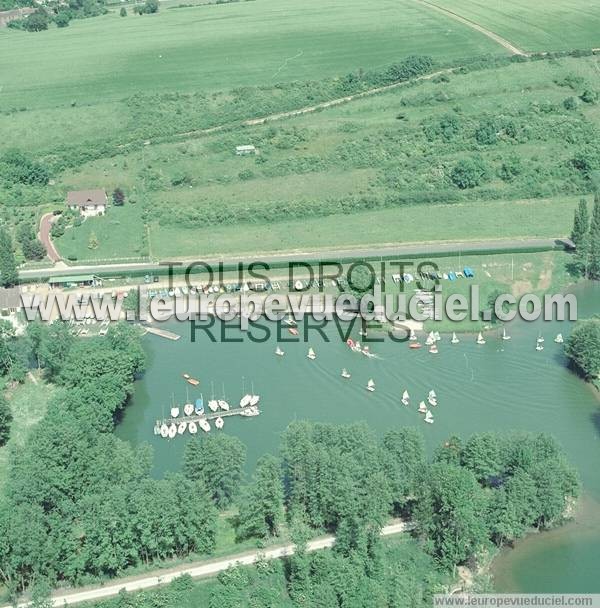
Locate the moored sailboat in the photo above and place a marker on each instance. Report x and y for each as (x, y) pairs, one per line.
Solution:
(279, 352)
(405, 398)
(192, 428)
(311, 354)
(219, 423)
(422, 407)
(455, 339)
(345, 373)
(480, 339)
(370, 385)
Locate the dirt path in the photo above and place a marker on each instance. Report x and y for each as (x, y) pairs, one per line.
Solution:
(196, 570)
(300, 111)
(46, 239)
(491, 35)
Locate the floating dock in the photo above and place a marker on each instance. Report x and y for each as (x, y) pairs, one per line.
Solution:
(163, 333)
(206, 416)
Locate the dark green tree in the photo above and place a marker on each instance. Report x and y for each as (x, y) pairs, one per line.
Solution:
(583, 348)
(580, 235)
(593, 267)
(5, 420)
(38, 21)
(218, 462)
(8, 266)
(261, 507)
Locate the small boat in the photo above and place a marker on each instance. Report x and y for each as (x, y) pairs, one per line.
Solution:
(250, 411)
(188, 409)
(204, 424)
(432, 394)
(357, 348)
(174, 412)
(428, 417)
(164, 431)
(193, 381)
(199, 407)
(293, 331)
(254, 399)
(186, 376)
(172, 430)
(455, 339)
(559, 339)
(157, 428)
(279, 352)
(213, 405)
(290, 321)
(405, 398)
(345, 373)
(371, 385)
(434, 349)
(539, 347)
(480, 339)
(422, 407)
(311, 354)
(298, 285)
(181, 427)
(505, 336)
(245, 400)
(192, 428)
(432, 401)
(223, 404)
(350, 343)
(415, 345)
(436, 336)
(219, 423)
(430, 339)
(413, 335)
(540, 338)
(362, 333)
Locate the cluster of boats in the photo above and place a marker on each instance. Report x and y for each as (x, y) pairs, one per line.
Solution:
(194, 415)
(423, 407)
(434, 337)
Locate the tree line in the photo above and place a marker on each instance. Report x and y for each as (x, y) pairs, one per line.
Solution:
(586, 238)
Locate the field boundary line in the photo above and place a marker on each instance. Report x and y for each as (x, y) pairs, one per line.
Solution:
(515, 50)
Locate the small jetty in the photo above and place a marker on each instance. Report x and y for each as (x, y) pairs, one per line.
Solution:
(163, 333)
(197, 418)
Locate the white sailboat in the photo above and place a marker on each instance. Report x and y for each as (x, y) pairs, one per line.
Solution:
(204, 424)
(480, 339)
(250, 411)
(539, 346)
(428, 417)
(172, 430)
(413, 335)
(370, 385)
(192, 428)
(430, 339)
(279, 352)
(559, 339)
(432, 398)
(311, 354)
(422, 407)
(181, 427)
(174, 412)
(213, 404)
(436, 336)
(164, 431)
(455, 339)
(254, 399)
(405, 398)
(505, 336)
(289, 321)
(540, 338)
(188, 408)
(223, 402)
(357, 347)
(345, 373)
(219, 423)
(245, 400)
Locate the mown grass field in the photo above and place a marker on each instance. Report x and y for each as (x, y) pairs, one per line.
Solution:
(220, 47)
(535, 25)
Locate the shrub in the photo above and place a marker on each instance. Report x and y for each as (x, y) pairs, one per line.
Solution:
(468, 173)
(589, 96)
(123, 12)
(36, 22)
(570, 103)
(62, 19)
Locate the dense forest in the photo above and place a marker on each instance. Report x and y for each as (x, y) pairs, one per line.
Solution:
(79, 504)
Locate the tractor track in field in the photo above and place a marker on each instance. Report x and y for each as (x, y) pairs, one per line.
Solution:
(515, 50)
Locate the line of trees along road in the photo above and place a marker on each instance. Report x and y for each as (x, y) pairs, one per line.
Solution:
(79, 504)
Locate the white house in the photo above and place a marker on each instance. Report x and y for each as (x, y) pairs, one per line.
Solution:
(88, 202)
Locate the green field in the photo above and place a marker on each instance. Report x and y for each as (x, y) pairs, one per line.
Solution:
(548, 25)
(382, 154)
(220, 47)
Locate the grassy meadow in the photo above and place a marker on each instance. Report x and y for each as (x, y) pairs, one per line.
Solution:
(220, 47)
(548, 25)
(384, 154)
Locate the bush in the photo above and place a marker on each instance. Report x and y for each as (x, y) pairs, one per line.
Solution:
(62, 19)
(469, 173)
(570, 103)
(36, 22)
(589, 96)
(123, 12)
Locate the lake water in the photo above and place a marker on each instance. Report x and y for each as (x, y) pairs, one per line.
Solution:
(500, 385)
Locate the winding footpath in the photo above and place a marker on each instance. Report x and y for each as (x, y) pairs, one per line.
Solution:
(197, 570)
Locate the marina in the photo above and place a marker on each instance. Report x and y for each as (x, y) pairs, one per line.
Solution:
(478, 388)
(198, 419)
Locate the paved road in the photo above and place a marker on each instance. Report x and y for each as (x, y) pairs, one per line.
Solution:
(197, 570)
(45, 238)
(472, 24)
(398, 251)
